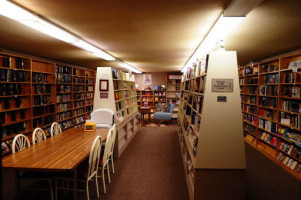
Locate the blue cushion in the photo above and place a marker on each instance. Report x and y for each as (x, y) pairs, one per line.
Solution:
(162, 115)
(172, 106)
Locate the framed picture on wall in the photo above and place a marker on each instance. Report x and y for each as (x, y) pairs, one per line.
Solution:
(103, 85)
(147, 79)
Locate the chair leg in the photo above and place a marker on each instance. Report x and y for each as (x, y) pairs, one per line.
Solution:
(108, 172)
(112, 161)
(97, 190)
(103, 179)
(87, 189)
(55, 188)
(51, 189)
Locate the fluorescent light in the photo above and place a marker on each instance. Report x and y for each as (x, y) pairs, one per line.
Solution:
(219, 31)
(129, 67)
(27, 18)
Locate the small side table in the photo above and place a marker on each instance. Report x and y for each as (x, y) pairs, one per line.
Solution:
(145, 111)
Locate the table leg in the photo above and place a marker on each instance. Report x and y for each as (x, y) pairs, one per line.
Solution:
(74, 184)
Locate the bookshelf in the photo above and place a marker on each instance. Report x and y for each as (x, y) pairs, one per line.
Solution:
(35, 93)
(211, 142)
(121, 97)
(173, 87)
(150, 98)
(272, 117)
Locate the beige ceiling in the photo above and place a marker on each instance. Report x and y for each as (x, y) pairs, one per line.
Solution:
(154, 35)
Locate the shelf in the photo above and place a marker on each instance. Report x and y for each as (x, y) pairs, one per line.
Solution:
(65, 119)
(40, 116)
(15, 122)
(14, 109)
(34, 106)
(274, 72)
(41, 72)
(63, 111)
(16, 69)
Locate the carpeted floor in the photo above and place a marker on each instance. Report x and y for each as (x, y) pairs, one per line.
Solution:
(150, 168)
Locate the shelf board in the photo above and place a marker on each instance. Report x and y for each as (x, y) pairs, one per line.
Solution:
(5, 82)
(41, 72)
(16, 95)
(14, 109)
(273, 72)
(35, 106)
(65, 119)
(40, 116)
(63, 111)
(15, 122)
(16, 69)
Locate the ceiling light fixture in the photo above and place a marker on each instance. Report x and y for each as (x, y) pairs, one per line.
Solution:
(219, 31)
(32, 20)
(129, 67)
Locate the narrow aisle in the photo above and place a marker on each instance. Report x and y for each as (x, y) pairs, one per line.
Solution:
(150, 168)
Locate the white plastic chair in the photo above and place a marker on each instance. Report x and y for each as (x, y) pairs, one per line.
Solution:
(103, 118)
(105, 160)
(55, 129)
(111, 155)
(20, 142)
(38, 135)
(92, 170)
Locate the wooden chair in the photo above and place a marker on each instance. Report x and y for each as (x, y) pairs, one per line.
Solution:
(111, 155)
(55, 129)
(105, 161)
(92, 169)
(38, 135)
(20, 142)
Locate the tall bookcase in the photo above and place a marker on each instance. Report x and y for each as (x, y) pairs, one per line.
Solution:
(272, 109)
(173, 87)
(210, 130)
(150, 98)
(34, 93)
(121, 97)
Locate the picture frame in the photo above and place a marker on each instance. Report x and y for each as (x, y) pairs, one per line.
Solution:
(103, 85)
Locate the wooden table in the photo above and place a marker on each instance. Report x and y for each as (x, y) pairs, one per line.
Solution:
(145, 111)
(61, 153)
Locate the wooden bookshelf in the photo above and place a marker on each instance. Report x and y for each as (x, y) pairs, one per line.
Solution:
(272, 114)
(121, 97)
(173, 88)
(36, 93)
(150, 98)
(211, 142)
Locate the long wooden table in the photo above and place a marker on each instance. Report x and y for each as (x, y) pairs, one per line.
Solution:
(61, 153)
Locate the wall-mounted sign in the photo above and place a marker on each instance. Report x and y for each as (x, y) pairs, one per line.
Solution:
(103, 85)
(221, 99)
(222, 85)
(103, 95)
(175, 76)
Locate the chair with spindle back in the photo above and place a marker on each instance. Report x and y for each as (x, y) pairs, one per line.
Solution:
(55, 129)
(85, 175)
(38, 135)
(104, 161)
(20, 142)
(111, 154)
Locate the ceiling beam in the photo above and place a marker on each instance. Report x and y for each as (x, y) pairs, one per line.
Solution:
(240, 8)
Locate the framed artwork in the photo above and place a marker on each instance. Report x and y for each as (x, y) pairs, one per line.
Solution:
(147, 79)
(222, 85)
(103, 85)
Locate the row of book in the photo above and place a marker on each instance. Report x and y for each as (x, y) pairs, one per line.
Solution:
(289, 162)
(90, 88)
(78, 120)
(271, 79)
(7, 62)
(12, 76)
(78, 96)
(291, 91)
(267, 113)
(63, 69)
(42, 89)
(66, 124)
(78, 80)
(251, 109)
(12, 103)
(251, 118)
(13, 129)
(12, 116)
(63, 88)
(292, 77)
(268, 102)
(250, 129)
(63, 116)
(251, 90)
(78, 88)
(89, 95)
(293, 120)
(38, 111)
(63, 78)
(64, 107)
(269, 90)
(89, 101)
(292, 106)
(268, 68)
(43, 100)
(78, 104)
(63, 98)
(290, 149)
(43, 121)
(251, 80)
(79, 111)
(268, 138)
(267, 125)
(250, 99)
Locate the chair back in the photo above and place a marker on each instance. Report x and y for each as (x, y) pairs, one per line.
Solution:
(94, 157)
(113, 137)
(55, 129)
(172, 106)
(20, 142)
(38, 135)
(103, 116)
(107, 149)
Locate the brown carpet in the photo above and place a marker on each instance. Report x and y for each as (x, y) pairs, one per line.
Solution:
(150, 168)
